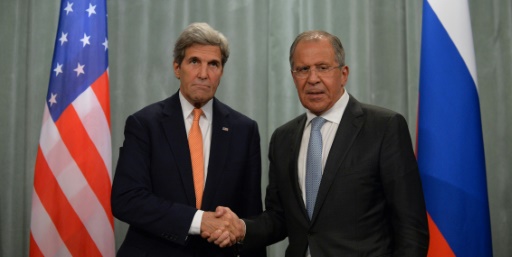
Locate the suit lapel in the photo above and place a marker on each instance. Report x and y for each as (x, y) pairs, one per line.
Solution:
(175, 132)
(350, 125)
(219, 153)
(294, 161)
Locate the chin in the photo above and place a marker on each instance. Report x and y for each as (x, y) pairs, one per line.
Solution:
(202, 99)
(316, 109)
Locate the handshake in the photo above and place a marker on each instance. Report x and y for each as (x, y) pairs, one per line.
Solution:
(222, 227)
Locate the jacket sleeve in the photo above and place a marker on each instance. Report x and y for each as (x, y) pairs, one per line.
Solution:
(403, 190)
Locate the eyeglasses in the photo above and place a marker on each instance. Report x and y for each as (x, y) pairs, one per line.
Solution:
(303, 72)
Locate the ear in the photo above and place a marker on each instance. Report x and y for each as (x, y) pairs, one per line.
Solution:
(344, 74)
(176, 67)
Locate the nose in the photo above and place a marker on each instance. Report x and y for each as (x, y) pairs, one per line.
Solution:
(313, 77)
(203, 72)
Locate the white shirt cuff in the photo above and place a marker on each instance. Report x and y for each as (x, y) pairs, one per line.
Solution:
(195, 227)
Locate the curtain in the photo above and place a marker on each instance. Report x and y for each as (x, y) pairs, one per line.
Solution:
(382, 44)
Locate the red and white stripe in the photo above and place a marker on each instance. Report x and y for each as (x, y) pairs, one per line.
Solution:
(71, 213)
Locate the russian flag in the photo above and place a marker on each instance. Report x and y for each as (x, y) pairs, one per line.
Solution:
(450, 148)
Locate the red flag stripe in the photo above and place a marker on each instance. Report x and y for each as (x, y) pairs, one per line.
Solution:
(68, 224)
(44, 237)
(86, 156)
(438, 245)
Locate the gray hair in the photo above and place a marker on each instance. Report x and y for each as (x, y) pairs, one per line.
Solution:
(201, 34)
(313, 35)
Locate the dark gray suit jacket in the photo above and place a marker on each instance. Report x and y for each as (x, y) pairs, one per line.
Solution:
(370, 201)
(153, 189)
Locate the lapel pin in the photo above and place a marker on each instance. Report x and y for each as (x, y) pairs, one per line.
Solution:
(225, 129)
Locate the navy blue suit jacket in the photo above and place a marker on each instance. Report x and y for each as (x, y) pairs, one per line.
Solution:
(153, 189)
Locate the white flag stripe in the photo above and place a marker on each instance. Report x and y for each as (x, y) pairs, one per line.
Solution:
(100, 230)
(95, 122)
(459, 29)
(51, 136)
(44, 232)
(77, 190)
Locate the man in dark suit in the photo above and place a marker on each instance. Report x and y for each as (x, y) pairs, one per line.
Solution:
(154, 188)
(368, 199)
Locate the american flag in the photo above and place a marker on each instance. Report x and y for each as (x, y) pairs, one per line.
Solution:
(71, 214)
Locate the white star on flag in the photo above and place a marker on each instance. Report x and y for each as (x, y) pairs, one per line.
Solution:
(58, 69)
(105, 44)
(53, 99)
(79, 69)
(63, 38)
(91, 10)
(85, 40)
(69, 8)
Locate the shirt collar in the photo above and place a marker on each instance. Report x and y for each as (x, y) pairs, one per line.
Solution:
(187, 108)
(335, 113)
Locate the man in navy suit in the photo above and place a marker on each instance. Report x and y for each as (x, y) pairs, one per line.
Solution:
(369, 200)
(153, 188)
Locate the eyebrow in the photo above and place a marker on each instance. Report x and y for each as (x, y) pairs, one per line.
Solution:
(316, 64)
(193, 57)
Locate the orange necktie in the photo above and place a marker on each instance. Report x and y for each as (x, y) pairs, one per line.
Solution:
(195, 142)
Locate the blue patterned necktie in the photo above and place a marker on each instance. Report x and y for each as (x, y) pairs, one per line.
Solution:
(314, 164)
